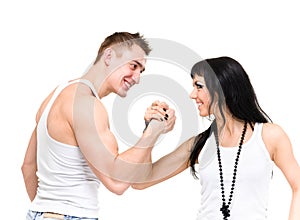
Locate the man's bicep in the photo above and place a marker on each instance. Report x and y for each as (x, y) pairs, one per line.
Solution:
(103, 129)
(94, 138)
(30, 155)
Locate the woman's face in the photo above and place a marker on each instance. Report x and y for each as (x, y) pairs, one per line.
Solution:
(201, 95)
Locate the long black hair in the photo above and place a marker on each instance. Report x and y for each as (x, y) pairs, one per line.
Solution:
(228, 82)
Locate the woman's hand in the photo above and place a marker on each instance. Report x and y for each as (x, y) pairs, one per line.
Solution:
(160, 111)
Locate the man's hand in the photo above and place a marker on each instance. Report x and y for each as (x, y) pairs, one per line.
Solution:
(160, 116)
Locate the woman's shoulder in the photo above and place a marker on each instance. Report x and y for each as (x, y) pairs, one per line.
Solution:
(273, 135)
(272, 129)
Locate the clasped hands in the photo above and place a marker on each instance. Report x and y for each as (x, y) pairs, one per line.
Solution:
(162, 115)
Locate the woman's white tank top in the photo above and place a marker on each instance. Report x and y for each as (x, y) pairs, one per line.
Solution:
(254, 173)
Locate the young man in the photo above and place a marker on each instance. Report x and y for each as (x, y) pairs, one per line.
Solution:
(72, 147)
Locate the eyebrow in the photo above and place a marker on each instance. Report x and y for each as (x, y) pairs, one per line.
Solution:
(140, 65)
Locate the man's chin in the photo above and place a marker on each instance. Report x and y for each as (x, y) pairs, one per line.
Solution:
(122, 94)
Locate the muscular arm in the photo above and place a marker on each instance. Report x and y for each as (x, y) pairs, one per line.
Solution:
(29, 167)
(115, 170)
(282, 154)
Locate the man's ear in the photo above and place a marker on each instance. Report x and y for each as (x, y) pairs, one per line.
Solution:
(107, 55)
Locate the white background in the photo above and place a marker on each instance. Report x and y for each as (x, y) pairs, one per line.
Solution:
(45, 42)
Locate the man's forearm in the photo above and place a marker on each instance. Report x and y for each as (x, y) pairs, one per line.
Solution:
(136, 162)
(30, 180)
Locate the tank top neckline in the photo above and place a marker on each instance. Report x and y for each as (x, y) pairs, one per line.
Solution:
(53, 98)
(255, 130)
(88, 83)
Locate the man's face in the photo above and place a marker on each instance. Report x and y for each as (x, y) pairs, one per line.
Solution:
(127, 69)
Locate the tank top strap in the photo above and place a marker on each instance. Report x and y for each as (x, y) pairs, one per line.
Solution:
(64, 85)
(257, 134)
(89, 84)
(260, 141)
(57, 91)
(258, 128)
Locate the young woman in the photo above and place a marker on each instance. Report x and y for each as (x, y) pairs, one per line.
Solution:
(235, 155)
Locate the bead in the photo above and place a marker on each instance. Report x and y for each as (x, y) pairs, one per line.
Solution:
(225, 208)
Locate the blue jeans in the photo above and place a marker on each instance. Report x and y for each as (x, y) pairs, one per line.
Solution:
(33, 215)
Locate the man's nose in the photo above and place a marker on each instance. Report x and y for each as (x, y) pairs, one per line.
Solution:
(136, 78)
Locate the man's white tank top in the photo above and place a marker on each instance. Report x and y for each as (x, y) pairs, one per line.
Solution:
(66, 183)
(254, 173)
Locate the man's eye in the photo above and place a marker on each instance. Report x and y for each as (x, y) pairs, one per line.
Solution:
(133, 66)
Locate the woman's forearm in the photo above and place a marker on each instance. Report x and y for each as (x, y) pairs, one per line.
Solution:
(168, 166)
(295, 206)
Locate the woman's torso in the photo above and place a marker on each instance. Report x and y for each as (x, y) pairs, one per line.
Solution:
(254, 172)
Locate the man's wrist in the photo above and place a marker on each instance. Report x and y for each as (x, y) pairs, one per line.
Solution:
(146, 125)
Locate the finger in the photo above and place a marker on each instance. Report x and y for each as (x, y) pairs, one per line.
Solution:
(148, 116)
(154, 115)
(157, 117)
(161, 104)
(170, 113)
(160, 110)
(148, 113)
(155, 103)
(164, 105)
(156, 110)
(172, 118)
(170, 124)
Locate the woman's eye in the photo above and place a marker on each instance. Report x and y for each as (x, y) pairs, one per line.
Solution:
(199, 85)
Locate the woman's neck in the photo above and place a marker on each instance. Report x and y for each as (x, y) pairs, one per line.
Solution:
(229, 130)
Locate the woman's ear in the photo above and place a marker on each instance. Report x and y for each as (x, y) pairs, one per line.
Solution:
(107, 55)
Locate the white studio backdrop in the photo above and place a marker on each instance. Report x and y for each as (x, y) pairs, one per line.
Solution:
(46, 42)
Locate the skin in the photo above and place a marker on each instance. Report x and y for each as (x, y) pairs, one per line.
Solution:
(78, 119)
(276, 141)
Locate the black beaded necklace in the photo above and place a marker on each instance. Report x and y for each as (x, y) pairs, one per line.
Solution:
(225, 207)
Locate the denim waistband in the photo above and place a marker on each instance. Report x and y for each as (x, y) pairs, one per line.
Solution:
(34, 215)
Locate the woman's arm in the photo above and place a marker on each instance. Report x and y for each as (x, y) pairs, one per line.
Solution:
(169, 165)
(282, 154)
